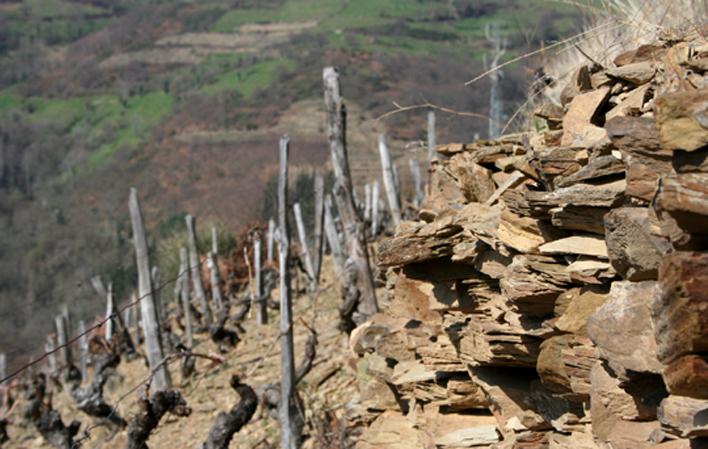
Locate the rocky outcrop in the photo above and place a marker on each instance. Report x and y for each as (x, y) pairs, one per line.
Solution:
(554, 292)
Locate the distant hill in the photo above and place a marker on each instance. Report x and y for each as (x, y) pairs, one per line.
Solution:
(185, 101)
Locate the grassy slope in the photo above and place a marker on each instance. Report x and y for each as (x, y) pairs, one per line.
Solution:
(133, 125)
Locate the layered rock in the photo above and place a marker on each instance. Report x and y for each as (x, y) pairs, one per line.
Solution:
(554, 292)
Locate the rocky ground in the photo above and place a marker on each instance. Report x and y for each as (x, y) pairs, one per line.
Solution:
(328, 391)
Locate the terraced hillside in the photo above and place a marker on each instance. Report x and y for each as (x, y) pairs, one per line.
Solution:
(185, 101)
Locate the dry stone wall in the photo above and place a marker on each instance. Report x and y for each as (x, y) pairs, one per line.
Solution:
(554, 291)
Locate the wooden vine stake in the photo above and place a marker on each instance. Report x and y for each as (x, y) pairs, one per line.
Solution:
(375, 198)
(367, 203)
(62, 341)
(3, 365)
(49, 347)
(319, 224)
(352, 222)
(333, 238)
(269, 243)
(83, 350)
(289, 433)
(390, 184)
(214, 277)
(110, 310)
(431, 136)
(260, 302)
(414, 166)
(194, 268)
(148, 308)
(304, 250)
(184, 296)
(215, 281)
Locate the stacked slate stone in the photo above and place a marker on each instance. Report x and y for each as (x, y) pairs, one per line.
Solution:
(554, 291)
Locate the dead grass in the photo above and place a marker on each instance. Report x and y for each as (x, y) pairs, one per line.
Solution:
(616, 26)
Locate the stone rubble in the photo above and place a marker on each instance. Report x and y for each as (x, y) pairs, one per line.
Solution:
(554, 292)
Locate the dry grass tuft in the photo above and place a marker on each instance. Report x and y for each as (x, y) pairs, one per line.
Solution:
(615, 26)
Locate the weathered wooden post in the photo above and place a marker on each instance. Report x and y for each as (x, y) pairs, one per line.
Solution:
(214, 241)
(116, 323)
(62, 339)
(156, 279)
(496, 109)
(367, 203)
(67, 317)
(184, 296)
(353, 226)
(214, 277)
(194, 268)
(304, 250)
(289, 434)
(83, 349)
(397, 183)
(271, 235)
(110, 310)
(215, 282)
(333, 238)
(431, 136)
(139, 337)
(49, 347)
(128, 318)
(375, 208)
(260, 305)
(390, 184)
(151, 327)
(3, 365)
(319, 223)
(415, 174)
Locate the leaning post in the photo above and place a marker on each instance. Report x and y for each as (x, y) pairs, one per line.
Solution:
(353, 225)
(148, 308)
(194, 268)
(304, 249)
(333, 238)
(390, 184)
(319, 223)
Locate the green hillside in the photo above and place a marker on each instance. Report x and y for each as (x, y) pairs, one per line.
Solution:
(185, 101)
